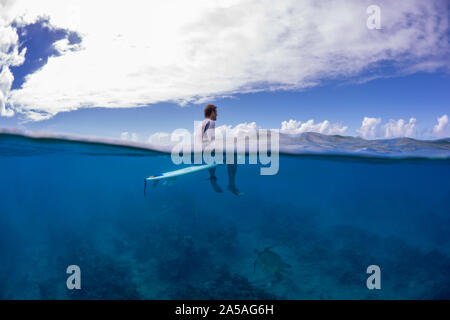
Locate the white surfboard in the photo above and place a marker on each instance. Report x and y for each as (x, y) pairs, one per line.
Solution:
(172, 175)
(180, 172)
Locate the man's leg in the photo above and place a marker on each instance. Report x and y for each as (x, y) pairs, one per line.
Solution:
(213, 180)
(232, 169)
(212, 173)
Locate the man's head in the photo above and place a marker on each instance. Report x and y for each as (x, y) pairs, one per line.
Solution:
(211, 112)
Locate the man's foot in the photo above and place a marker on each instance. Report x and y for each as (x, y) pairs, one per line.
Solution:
(215, 186)
(234, 190)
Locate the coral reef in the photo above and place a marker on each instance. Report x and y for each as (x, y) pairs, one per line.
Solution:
(225, 285)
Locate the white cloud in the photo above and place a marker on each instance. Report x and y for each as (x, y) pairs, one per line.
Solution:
(159, 138)
(6, 79)
(9, 56)
(325, 127)
(441, 130)
(140, 52)
(368, 127)
(238, 130)
(64, 46)
(399, 128)
(9, 49)
(392, 129)
(129, 136)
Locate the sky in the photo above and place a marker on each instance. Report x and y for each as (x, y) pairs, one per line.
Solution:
(375, 69)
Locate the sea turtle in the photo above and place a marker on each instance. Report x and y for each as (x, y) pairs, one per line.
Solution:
(271, 262)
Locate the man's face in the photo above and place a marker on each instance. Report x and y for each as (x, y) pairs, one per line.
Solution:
(214, 115)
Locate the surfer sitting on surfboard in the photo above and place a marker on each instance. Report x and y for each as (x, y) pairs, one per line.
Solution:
(208, 128)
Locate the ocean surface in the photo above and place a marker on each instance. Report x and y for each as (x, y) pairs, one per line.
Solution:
(336, 206)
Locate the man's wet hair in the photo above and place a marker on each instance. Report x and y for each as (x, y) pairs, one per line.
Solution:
(210, 108)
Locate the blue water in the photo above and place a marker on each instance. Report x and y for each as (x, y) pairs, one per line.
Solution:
(329, 217)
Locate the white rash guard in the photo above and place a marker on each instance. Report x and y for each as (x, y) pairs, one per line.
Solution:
(208, 130)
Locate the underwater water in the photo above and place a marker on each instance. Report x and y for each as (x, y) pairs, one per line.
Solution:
(328, 217)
